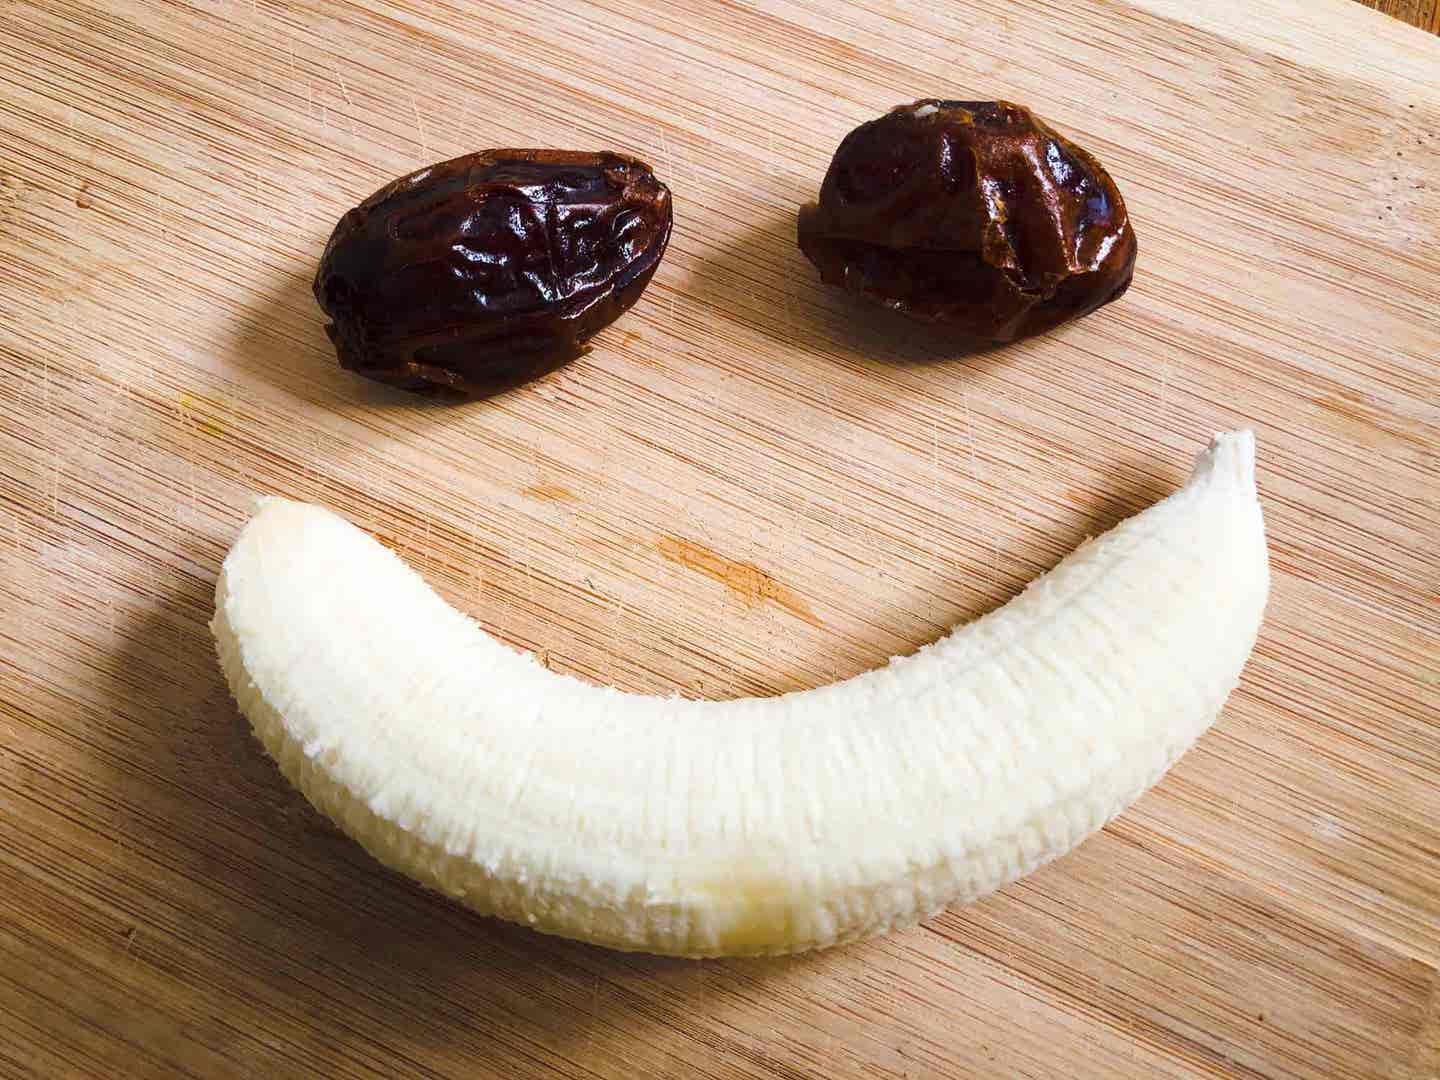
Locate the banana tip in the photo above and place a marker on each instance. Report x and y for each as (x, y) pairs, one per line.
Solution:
(1230, 457)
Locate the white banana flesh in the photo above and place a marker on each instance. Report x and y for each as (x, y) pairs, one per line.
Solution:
(757, 826)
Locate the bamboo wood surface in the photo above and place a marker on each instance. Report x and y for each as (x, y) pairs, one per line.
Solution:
(748, 486)
(1422, 13)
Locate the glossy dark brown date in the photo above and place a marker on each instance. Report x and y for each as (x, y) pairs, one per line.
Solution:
(481, 272)
(973, 216)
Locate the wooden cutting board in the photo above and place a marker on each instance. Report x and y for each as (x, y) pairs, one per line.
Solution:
(749, 486)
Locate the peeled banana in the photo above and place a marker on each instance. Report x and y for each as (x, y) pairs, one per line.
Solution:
(758, 826)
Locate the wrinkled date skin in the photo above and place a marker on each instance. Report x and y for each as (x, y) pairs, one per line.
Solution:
(973, 216)
(479, 273)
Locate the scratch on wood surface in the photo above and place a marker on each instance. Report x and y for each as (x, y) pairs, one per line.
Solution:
(975, 472)
(697, 523)
(970, 439)
(429, 542)
(467, 123)
(668, 157)
(1163, 408)
(349, 103)
(934, 458)
(746, 580)
(419, 126)
(617, 615)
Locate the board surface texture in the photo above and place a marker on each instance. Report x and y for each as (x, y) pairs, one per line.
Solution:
(1422, 13)
(748, 486)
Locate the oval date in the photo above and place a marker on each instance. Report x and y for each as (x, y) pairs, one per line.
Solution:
(973, 216)
(479, 273)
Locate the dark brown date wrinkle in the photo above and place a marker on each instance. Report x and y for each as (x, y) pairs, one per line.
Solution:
(475, 274)
(973, 216)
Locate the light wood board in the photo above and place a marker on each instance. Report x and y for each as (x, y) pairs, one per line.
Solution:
(1422, 13)
(748, 486)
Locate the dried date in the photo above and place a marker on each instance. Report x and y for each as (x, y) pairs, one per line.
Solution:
(478, 273)
(973, 216)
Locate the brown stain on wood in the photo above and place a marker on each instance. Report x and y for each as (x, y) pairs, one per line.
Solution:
(199, 412)
(746, 580)
(1355, 407)
(549, 493)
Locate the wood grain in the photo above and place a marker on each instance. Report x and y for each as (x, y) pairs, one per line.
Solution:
(1422, 13)
(168, 174)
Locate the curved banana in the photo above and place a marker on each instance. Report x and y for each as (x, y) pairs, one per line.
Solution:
(758, 826)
